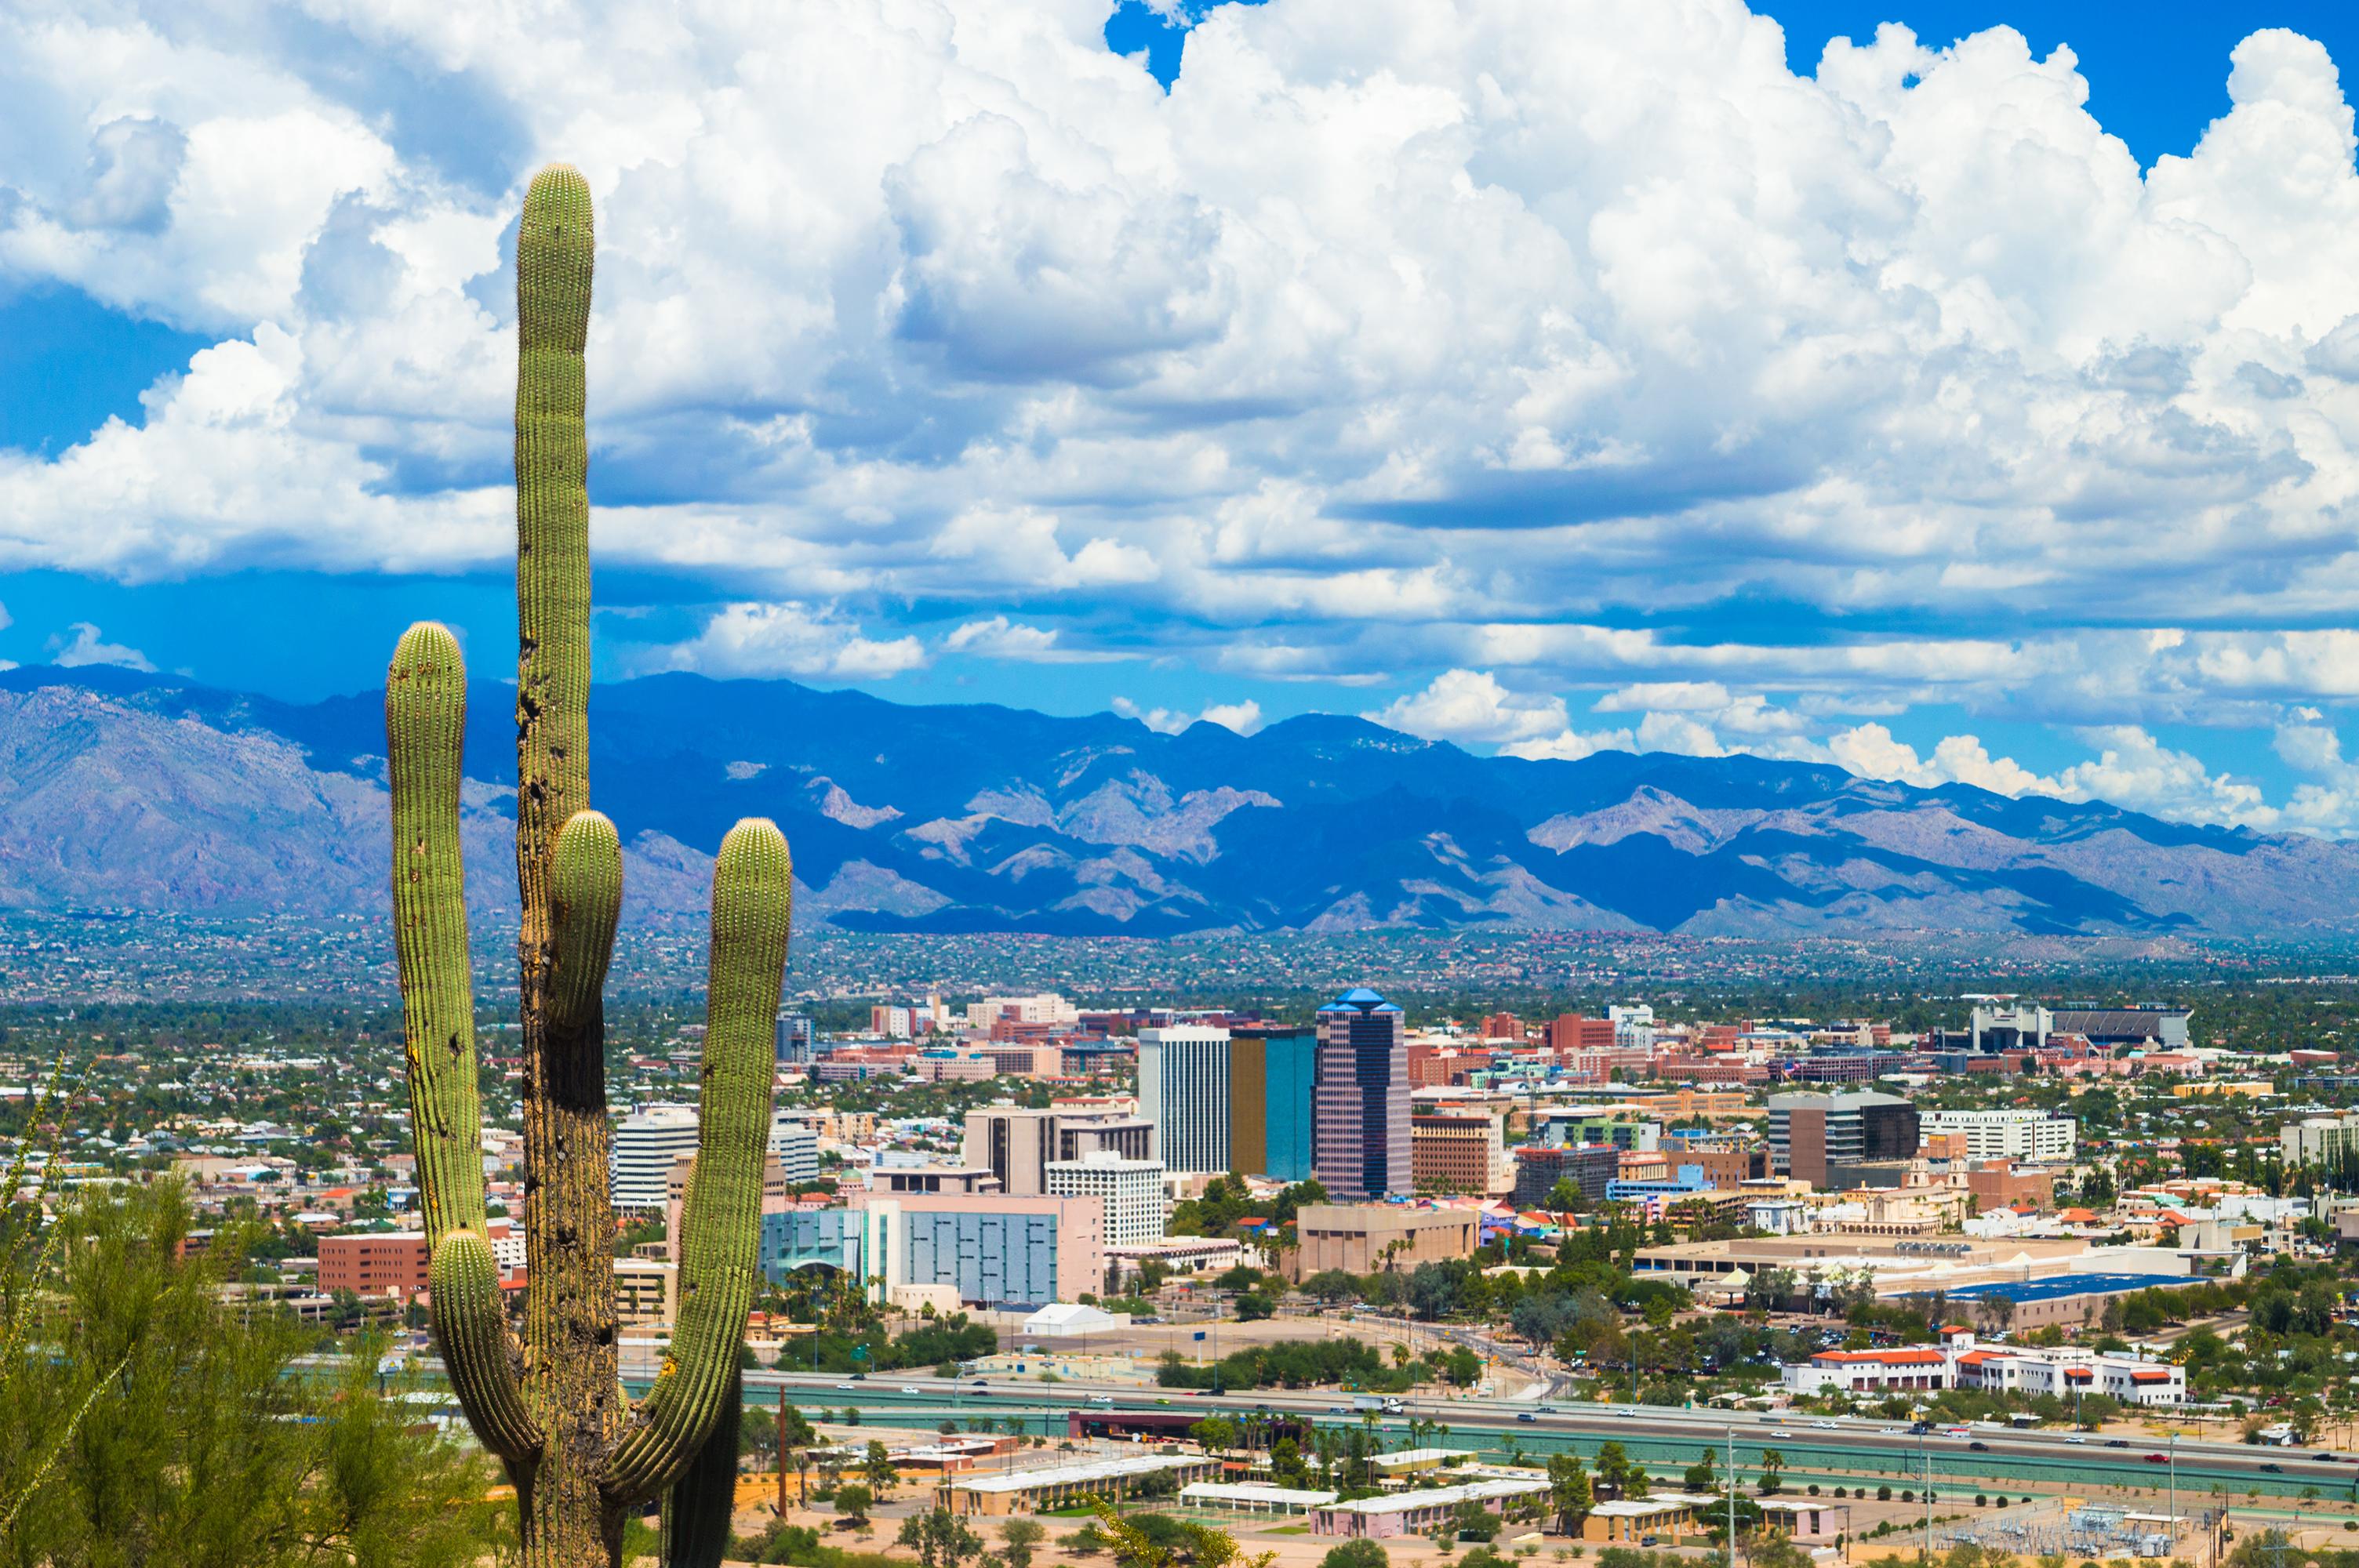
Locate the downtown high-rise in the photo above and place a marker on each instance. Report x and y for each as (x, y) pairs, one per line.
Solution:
(1359, 1105)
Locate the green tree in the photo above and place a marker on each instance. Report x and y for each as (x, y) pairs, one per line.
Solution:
(1472, 1520)
(878, 1469)
(939, 1538)
(1703, 1475)
(1020, 1538)
(1357, 1553)
(1331, 1285)
(1772, 1463)
(1216, 1434)
(162, 1425)
(853, 1501)
(1569, 1492)
(1614, 1467)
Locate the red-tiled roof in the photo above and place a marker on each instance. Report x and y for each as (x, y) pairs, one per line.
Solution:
(1886, 1358)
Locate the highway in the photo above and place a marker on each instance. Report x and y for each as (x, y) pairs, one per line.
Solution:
(1664, 1440)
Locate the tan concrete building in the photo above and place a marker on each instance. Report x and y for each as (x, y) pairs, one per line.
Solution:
(1361, 1239)
(646, 1290)
(1458, 1154)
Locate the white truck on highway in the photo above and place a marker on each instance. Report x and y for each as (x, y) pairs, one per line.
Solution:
(1385, 1403)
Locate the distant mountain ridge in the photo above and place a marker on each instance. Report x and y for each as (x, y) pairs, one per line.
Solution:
(149, 792)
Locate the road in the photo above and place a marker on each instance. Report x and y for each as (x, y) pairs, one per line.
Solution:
(1665, 1441)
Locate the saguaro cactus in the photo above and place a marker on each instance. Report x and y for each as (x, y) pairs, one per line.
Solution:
(547, 1403)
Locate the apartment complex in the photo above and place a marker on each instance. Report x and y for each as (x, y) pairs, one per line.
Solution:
(2030, 1135)
(2318, 1140)
(1130, 1190)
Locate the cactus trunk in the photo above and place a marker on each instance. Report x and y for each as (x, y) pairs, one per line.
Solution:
(548, 1405)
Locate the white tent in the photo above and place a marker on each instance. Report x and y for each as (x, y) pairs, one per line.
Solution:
(1059, 1320)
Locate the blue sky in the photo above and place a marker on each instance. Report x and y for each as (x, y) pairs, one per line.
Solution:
(1979, 402)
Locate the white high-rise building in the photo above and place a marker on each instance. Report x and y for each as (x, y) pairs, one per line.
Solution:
(1183, 1089)
(2030, 1135)
(796, 1148)
(1634, 1027)
(639, 1168)
(1131, 1191)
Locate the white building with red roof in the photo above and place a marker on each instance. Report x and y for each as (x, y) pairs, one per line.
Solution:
(1960, 1362)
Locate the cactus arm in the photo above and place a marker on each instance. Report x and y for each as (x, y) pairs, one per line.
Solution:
(721, 1223)
(425, 725)
(482, 1357)
(587, 881)
(697, 1509)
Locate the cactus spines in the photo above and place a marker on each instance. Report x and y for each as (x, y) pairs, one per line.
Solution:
(425, 724)
(587, 884)
(550, 1406)
(481, 1355)
(721, 1223)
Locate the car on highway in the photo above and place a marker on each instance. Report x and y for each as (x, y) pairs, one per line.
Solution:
(1338, 1409)
(2273, 1469)
(1979, 1447)
(2161, 1459)
(1781, 1432)
(1824, 1427)
(911, 1388)
(2323, 1459)
(2076, 1440)
(1525, 1415)
(847, 1388)
(1106, 1399)
(1896, 1431)
(2116, 1443)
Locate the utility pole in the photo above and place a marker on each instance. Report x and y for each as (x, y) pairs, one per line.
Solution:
(1729, 1557)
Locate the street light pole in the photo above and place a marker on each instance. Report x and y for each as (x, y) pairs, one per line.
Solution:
(2174, 1487)
(1924, 1458)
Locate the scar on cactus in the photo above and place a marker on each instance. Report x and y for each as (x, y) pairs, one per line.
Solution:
(545, 1400)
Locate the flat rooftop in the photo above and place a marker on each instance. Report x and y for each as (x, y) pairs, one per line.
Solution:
(2048, 1289)
(1066, 1475)
(1442, 1497)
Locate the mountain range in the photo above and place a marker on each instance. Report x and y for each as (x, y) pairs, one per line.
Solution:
(129, 791)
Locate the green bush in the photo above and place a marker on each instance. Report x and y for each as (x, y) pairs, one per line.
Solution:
(1360, 1552)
